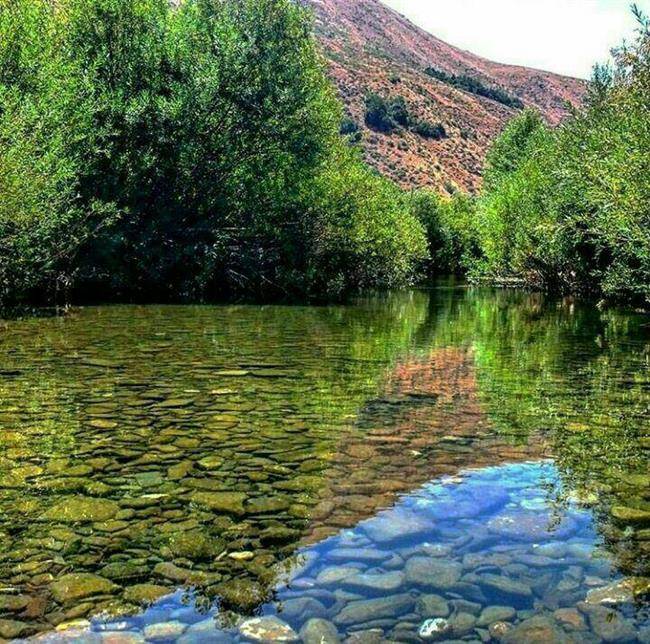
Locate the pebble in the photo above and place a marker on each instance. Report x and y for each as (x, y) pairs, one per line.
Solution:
(164, 631)
(267, 629)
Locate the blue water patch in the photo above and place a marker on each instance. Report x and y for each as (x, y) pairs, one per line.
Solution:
(490, 555)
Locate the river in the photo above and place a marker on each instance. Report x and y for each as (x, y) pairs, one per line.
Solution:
(456, 464)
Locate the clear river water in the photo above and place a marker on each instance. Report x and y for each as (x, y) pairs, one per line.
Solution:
(453, 465)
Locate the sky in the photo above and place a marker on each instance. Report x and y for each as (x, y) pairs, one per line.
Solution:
(564, 36)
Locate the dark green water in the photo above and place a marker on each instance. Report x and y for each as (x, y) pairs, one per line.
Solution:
(452, 465)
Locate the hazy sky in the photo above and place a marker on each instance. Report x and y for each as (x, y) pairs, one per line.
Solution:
(565, 36)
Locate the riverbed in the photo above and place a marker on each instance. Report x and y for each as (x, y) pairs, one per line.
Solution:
(454, 464)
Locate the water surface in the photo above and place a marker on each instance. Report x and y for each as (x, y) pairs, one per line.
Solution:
(450, 465)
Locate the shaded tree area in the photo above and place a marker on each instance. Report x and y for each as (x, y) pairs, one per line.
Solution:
(153, 152)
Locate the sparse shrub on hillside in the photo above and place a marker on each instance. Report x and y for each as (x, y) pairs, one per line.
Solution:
(350, 129)
(428, 130)
(386, 114)
(475, 86)
(398, 111)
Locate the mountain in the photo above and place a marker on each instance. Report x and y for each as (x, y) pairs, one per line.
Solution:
(371, 48)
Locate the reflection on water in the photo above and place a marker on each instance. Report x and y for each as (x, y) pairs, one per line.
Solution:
(455, 465)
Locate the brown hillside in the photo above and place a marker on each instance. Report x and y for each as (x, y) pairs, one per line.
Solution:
(370, 47)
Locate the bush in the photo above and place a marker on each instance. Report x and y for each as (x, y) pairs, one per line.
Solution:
(350, 129)
(450, 231)
(568, 208)
(475, 86)
(385, 115)
(429, 131)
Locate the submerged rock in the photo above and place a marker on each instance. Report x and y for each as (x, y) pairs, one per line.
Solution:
(228, 502)
(319, 631)
(505, 586)
(74, 587)
(164, 632)
(493, 614)
(382, 582)
(635, 516)
(610, 625)
(11, 629)
(432, 606)
(394, 526)
(240, 594)
(145, 593)
(536, 630)
(80, 509)
(432, 573)
(268, 629)
(435, 629)
(620, 592)
(531, 526)
(366, 610)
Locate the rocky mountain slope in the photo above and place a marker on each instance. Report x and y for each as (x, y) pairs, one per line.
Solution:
(371, 48)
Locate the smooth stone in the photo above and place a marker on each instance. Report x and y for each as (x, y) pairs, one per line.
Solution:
(610, 625)
(434, 629)
(195, 545)
(180, 470)
(570, 618)
(462, 624)
(535, 630)
(498, 630)
(437, 574)
(11, 629)
(267, 629)
(493, 614)
(396, 526)
(367, 636)
(76, 586)
(267, 505)
(100, 423)
(211, 462)
(124, 571)
(79, 509)
(228, 502)
(301, 608)
(620, 592)
(165, 631)
(366, 555)
(277, 535)
(244, 555)
(472, 502)
(115, 637)
(635, 516)
(241, 594)
(505, 586)
(205, 632)
(13, 603)
(530, 526)
(374, 582)
(145, 593)
(319, 631)
(362, 611)
(331, 576)
(432, 606)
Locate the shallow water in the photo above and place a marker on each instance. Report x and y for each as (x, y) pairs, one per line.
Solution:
(450, 465)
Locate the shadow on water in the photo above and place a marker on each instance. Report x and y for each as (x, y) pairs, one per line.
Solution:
(455, 464)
